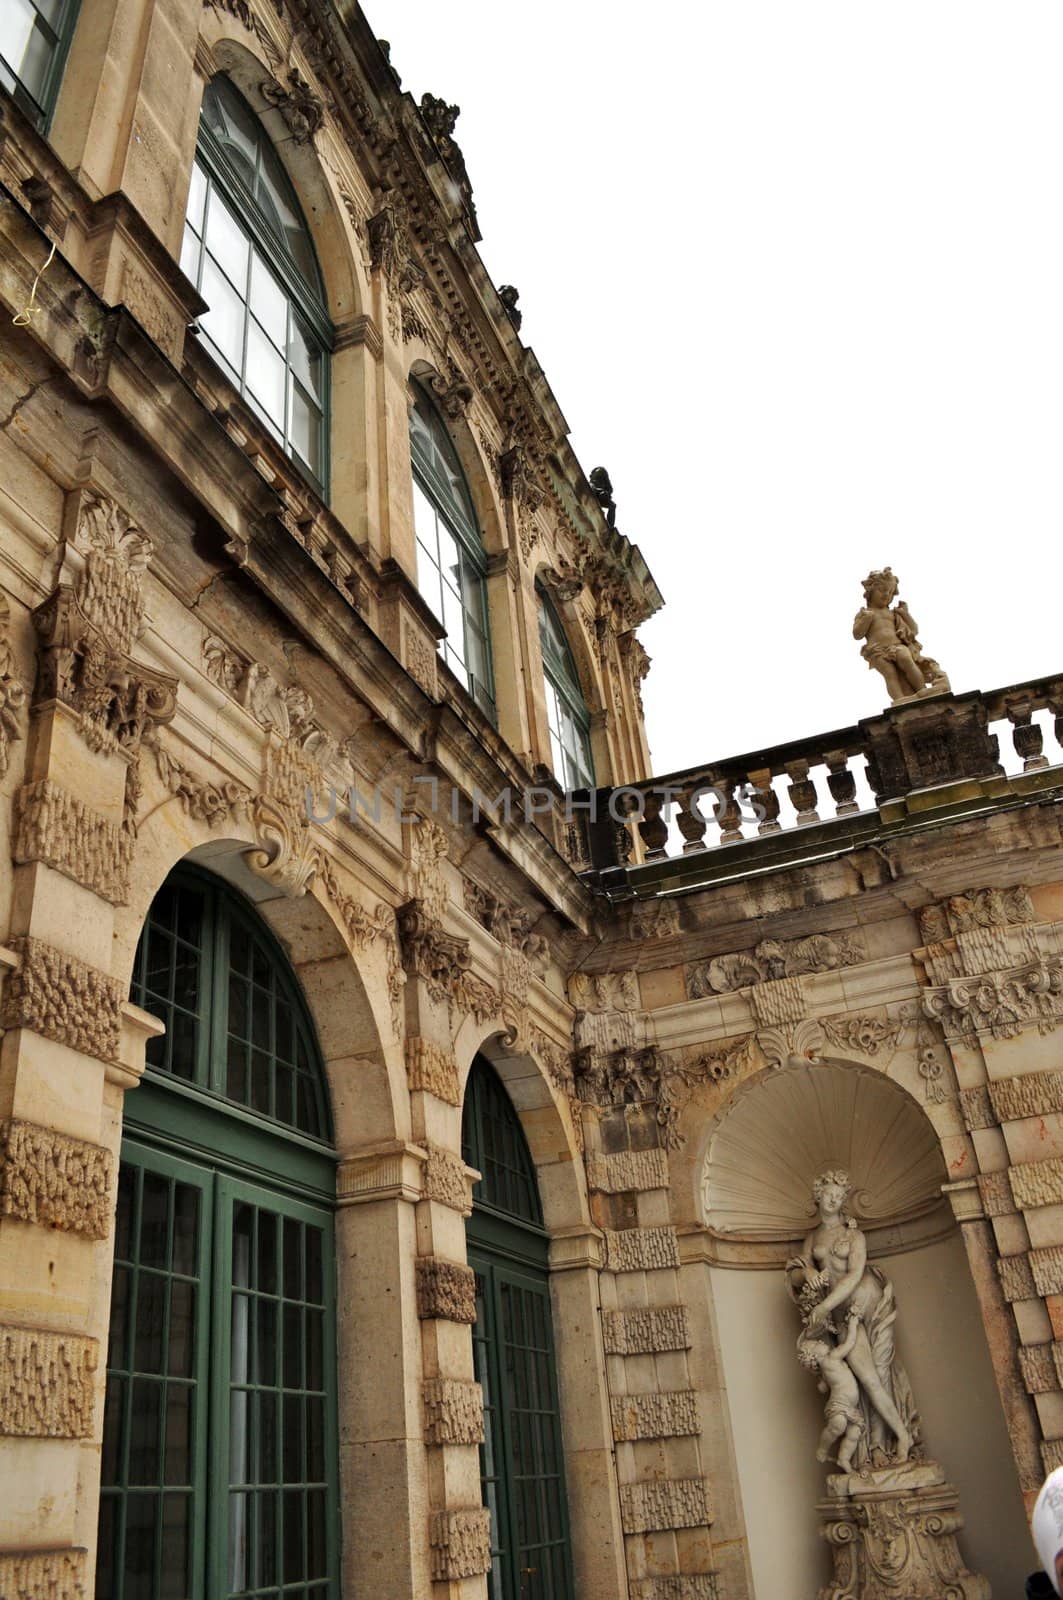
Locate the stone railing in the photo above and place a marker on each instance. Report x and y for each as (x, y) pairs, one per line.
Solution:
(945, 751)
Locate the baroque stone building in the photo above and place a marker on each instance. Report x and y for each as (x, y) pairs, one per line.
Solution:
(398, 1163)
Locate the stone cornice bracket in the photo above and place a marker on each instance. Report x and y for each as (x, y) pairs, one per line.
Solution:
(428, 952)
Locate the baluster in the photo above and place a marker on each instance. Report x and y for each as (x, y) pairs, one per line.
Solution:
(1026, 735)
(803, 796)
(653, 827)
(1056, 708)
(691, 820)
(728, 812)
(765, 800)
(627, 804)
(841, 782)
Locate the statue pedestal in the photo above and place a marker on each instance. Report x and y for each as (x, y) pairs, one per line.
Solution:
(892, 1533)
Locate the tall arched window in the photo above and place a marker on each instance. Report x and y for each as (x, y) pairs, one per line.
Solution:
(521, 1462)
(451, 566)
(248, 251)
(219, 1468)
(566, 709)
(34, 38)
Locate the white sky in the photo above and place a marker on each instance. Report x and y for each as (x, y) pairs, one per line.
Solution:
(795, 274)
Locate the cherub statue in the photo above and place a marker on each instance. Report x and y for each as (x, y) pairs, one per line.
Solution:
(890, 643)
(845, 1417)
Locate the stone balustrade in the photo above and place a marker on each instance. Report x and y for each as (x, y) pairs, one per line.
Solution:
(942, 750)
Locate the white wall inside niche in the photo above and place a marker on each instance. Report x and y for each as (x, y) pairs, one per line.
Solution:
(776, 1415)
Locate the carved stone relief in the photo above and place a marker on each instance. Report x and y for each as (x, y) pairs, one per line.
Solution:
(432, 1070)
(999, 1003)
(303, 110)
(773, 959)
(12, 689)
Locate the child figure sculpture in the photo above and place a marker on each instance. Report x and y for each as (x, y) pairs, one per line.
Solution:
(845, 1420)
(890, 643)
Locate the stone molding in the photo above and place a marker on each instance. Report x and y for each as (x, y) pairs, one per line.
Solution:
(55, 827)
(445, 1179)
(63, 999)
(666, 1415)
(681, 1586)
(42, 1574)
(628, 1170)
(1031, 1094)
(664, 1503)
(461, 1543)
(446, 1290)
(641, 1249)
(46, 1384)
(432, 1070)
(453, 1411)
(50, 1178)
(646, 1330)
(1016, 1278)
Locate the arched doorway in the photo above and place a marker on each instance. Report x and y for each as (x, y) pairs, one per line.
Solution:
(219, 1471)
(521, 1460)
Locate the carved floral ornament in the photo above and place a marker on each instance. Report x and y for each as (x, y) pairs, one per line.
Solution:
(12, 689)
(772, 960)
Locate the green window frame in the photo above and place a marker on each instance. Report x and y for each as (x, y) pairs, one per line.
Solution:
(220, 1473)
(247, 249)
(451, 564)
(566, 710)
(35, 37)
(522, 1473)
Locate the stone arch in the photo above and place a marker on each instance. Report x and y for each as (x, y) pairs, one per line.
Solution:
(240, 57)
(363, 1066)
(557, 1158)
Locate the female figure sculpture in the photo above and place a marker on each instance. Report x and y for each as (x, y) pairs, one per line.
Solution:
(832, 1282)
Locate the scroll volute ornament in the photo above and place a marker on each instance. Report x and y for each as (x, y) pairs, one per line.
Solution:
(88, 629)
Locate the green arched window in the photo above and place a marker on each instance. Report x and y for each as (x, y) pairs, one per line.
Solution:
(248, 250)
(566, 709)
(521, 1460)
(34, 38)
(451, 565)
(219, 1467)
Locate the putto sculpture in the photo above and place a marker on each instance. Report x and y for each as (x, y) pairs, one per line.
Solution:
(836, 1289)
(890, 643)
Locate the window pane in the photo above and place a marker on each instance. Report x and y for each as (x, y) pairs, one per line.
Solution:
(197, 194)
(305, 428)
(227, 241)
(265, 373)
(268, 301)
(224, 321)
(190, 251)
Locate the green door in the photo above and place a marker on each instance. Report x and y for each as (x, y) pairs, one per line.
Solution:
(521, 1460)
(220, 1459)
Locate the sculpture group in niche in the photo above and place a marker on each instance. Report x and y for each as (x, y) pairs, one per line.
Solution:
(848, 1314)
(890, 643)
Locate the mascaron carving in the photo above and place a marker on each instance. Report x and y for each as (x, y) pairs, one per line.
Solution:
(49, 1178)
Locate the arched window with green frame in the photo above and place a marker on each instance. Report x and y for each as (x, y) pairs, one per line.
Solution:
(220, 1457)
(521, 1460)
(35, 36)
(248, 251)
(566, 710)
(451, 563)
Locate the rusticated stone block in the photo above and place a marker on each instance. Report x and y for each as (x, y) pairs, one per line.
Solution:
(781, 1000)
(453, 1411)
(663, 1503)
(641, 1249)
(42, 1574)
(50, 1178)
(55, 827)
(64, 999)
(977, 1109)
(1052, 1454)
(1032, 1094)
(461, 1543)
(432, 1070)
(445, 1289)
(445, 1180)
(646, 1330)
(1016, 1279)
(46, 1384)
(628, 1169)
(997, 1199)
(1038, 1368)
(1038, 1183)
(667, 1415)
(683, 1586)
(1046, 1267)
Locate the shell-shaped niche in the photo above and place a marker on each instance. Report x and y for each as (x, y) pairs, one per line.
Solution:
(783, 1128)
